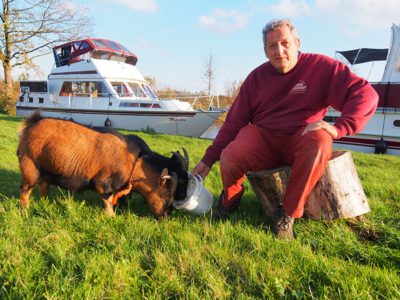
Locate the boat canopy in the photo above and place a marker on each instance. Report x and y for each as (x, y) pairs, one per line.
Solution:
(363, 55)
(97, 48)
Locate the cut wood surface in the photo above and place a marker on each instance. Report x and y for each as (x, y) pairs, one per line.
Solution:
(338, 193)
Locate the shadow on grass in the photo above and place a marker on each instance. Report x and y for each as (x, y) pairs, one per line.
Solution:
(9, 183)
(249, 213)
(11, 118)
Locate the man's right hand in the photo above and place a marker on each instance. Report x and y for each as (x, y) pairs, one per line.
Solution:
(201, 169)
(321, 125)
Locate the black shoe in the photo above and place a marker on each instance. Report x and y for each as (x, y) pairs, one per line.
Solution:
(220, 211)
(283, 224)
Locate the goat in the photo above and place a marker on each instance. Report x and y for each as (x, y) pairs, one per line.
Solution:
(76, 157)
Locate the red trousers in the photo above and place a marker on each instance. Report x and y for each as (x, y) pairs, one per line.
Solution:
(256, 149)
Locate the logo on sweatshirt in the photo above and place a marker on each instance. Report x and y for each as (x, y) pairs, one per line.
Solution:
(299, 87)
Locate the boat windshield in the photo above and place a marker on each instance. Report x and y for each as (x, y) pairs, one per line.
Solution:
(141, 90)
(133, 89)
(121, 89)
(149, 91)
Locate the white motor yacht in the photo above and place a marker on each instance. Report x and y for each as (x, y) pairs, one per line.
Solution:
(96, 82)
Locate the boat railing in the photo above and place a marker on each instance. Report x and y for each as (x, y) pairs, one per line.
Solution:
(201, 102)
(144, 103)
(106, 95)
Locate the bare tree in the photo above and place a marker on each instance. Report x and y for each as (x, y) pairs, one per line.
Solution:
(30, 28)
(152, 81)
(232, 89)
(209, 72)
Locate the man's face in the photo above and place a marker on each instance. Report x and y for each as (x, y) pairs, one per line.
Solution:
(281, 49)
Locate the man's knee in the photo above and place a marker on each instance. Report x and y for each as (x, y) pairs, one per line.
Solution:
(324, 141)
(236, 149)
(318, 142)
(230, 155)
(250, 150)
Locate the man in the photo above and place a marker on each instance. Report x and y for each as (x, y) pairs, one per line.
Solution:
(276, 120)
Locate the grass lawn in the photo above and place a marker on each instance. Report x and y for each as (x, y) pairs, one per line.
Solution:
(65, 247)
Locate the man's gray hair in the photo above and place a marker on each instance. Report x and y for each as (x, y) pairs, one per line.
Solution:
(274, 24)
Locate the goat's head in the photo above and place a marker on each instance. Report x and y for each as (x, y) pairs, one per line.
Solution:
(157, 188)
(180, 165)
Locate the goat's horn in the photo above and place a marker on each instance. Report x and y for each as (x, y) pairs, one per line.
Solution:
(186, 156)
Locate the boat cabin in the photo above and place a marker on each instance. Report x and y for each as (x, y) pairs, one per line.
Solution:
(76, 51)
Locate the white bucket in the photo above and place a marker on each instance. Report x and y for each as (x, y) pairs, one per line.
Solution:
(198, 200)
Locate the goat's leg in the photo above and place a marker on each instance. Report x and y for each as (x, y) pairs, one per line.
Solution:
(108, 204)
(44, 188)
(103, 187)
(25, 191)
(30, 175)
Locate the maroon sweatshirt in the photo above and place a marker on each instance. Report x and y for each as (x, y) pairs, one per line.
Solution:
(283, 103)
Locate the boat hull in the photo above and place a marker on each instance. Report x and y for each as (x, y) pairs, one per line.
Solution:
(384, 125)
(190, 123)
(367, 144)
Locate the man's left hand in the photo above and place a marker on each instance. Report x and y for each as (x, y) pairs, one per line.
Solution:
(321, 125)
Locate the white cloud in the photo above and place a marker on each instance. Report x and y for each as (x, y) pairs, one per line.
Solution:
(290, 8)
(224, 21)
(139, 5)
(352, 16)
(327, 4)
(359, 15)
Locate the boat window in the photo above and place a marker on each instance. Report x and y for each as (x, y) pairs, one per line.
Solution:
(66, 51)
(330, 119)
(100, 44)
(149, 105)
(125, 49)
(33, 86)
(115, 46)
(129, 104)
(136, 89)
(121, 89)
(30, 99)
(396, 123)
(77, 45)
(136, 104)
(149, 91)
(41, 100)
(81, 45)
(84, 89)
(65, 55)
(397, 64)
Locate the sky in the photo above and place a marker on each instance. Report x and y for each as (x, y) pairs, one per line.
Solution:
(173, 39)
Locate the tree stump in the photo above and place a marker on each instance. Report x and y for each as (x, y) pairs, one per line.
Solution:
(337, 194)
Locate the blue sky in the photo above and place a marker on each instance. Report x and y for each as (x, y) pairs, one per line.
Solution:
(174, 38)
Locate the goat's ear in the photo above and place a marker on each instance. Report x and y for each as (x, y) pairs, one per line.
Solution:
(164, 176)
(169, 179)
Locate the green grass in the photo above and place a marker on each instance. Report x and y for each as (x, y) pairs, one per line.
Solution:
(65, 248)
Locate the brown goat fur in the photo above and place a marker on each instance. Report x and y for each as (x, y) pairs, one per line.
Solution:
(75, 157)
